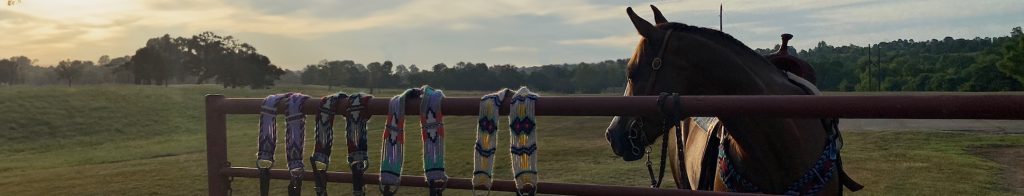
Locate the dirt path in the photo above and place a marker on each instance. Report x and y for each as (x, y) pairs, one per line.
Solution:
(1010, 156)
(1013, 159)
(995, 126)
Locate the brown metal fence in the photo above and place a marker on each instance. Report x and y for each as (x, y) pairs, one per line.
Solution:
(963, 106)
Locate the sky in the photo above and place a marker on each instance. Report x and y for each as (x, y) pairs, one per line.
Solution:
(296, 33)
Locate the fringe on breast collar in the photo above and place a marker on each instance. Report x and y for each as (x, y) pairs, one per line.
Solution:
(321, 157)
(432, 122)
(487, 139)
(523, 136)
(393, 143)
(356, 117)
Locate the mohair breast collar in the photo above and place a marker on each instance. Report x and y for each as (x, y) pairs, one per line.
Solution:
(523, 136)
(393, 148)
(294, 138)
(321, 157)
(487, 139)
(356, 118)
(432, 134)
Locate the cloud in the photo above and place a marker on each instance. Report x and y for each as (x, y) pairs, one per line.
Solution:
(513, 49)
(454, 30)
(618, 41)
(905, 11)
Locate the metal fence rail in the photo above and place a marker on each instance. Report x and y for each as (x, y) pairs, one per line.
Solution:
(964, 106)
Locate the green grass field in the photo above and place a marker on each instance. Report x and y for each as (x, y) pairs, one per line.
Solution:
(143, 140)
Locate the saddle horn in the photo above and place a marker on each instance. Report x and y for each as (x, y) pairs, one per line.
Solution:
(658, 17)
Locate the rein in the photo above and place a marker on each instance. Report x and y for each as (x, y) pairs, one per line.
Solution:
(432, 122)
(324, 139)
(487, 139)
(523, 136)
(393, 147)
(355, 133)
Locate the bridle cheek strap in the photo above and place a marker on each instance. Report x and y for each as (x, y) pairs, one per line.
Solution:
(295, 135)
(487, 139)
(432, 122)
(393, 147)
(355, 133)
(523, 138)
(267, 139)
(321, 157)
(656, 64)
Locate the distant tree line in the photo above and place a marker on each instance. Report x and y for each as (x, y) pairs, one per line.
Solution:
(567, 78)
(978, 64)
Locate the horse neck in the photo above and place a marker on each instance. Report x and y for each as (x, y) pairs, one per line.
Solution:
(773, 151)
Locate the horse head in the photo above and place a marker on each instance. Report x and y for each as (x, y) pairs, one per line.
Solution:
(678, 58)
(688, 60)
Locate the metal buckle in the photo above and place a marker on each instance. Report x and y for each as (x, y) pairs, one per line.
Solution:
(264, 164)
(360, 165)
(656, 64)
(635, 133)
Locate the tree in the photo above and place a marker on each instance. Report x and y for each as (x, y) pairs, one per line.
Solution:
(8, 71)
(1013, 62)
(148, 67)
(440, 67)
(119, 67)
(103, 61)
(413, 69)
(402, 74)
(70, 70)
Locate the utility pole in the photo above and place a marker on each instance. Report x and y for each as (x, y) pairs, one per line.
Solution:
(869, 69)
(878, 65)
(720, 11)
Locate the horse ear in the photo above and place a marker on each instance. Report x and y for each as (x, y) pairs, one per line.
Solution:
(658, 17)
(642, 26)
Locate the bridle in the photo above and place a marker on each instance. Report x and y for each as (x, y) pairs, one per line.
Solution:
(637, 137)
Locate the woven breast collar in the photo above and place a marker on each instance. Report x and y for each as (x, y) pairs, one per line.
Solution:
(487, 139)
(523, 135)
(432, 134)
(324, 140)
(356, 118)
(294, 137)
(393, 143)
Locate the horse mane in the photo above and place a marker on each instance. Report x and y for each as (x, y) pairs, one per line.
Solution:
(722, 37)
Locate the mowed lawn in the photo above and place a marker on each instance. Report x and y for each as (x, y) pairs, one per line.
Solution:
(144, 140)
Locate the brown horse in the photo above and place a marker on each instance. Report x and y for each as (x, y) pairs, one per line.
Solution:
(767, 155)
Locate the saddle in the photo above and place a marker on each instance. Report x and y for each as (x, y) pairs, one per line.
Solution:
(784, 61)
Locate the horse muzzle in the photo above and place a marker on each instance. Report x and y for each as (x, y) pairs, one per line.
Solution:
(623, 136)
